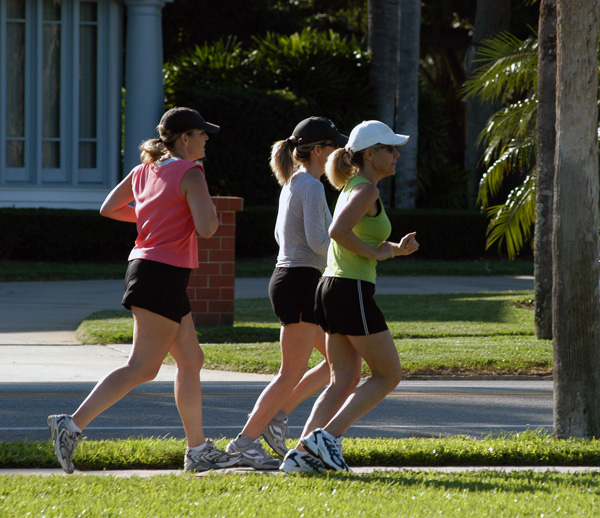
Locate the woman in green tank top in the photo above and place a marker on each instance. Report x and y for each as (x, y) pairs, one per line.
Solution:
(345, 308)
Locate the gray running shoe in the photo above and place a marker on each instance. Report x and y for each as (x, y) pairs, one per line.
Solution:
(65, 441)
(323, 445)
(275, 434)
(209, 458)
(301, 461)
(254, 455)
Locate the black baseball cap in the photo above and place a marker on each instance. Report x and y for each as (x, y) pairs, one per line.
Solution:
(179, 120)
(317, 129)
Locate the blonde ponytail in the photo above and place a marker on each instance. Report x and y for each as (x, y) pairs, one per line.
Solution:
(341, 166)
(282, 161)
(152, 151)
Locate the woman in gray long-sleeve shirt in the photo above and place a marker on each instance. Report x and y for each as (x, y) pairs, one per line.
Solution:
(301, 232)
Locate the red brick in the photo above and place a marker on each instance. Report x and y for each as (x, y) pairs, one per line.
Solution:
(222, 255)
(228, 243)
(198, 306)
(220, 306)
(221, 281)
(210, 268)
(227, 218)
(228, 269)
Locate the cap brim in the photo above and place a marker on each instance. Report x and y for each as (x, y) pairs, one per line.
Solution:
(340, 140)
(395, 140)
(210, 128)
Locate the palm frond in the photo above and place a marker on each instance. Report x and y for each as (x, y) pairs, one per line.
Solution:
(508, 67)
(512, 223)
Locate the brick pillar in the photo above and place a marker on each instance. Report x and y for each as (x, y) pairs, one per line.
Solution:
(211, 288)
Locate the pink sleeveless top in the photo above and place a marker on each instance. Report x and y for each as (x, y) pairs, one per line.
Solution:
(166, 231)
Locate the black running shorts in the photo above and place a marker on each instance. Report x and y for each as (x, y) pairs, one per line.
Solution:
(157, 287)
(347, 306)
(292, 294)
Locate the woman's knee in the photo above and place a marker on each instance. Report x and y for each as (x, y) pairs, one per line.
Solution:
(390, 377)
(192, 359)
(143, 372)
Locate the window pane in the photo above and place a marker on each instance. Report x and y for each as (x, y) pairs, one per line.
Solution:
(15, 81)
(88, 93)
(15, 9)
(52, 10)
(87, 155)
(50, 155)
(88, 12)
(15, 153)
(51, 81)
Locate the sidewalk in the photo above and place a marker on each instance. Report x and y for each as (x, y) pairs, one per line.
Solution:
(38, 322)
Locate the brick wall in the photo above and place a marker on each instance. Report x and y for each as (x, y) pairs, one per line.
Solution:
(211, 289)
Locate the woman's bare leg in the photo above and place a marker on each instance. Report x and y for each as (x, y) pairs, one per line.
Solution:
(380, 354)
(297, 341)
(313, 380)
(345, 365)
(188, 391)
(152, 338)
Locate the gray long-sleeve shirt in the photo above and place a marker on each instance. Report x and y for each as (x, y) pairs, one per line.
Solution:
(302, 224)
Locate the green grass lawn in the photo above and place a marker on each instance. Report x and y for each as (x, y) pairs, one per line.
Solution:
(381, 494)
(452, 334)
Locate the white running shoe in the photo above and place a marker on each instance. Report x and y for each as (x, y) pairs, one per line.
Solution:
(254, 455)
(323, 445)
(65, 440)
(301, 461)
(274, 434)
(209, 458)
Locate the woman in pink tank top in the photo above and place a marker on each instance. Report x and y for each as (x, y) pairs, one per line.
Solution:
(172, 205)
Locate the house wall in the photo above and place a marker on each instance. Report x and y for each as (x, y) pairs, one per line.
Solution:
(69, 157)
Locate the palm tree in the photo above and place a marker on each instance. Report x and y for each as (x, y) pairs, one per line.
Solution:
(576, 326)
(491, 18)
(384, 42)
(508, 75)
(546, 138)
(407, 99)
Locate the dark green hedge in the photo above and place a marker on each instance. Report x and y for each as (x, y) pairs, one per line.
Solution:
(61, 235)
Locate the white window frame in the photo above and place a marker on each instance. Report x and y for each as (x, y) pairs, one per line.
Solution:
(68, 186)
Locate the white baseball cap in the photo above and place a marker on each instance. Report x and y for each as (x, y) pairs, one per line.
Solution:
(369, 133)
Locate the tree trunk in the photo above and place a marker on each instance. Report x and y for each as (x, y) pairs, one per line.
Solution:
(546, 142)
(407, 99)
(575, 245)
(384, 34)
(491, 18)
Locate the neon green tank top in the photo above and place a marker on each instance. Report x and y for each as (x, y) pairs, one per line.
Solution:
(343, 263)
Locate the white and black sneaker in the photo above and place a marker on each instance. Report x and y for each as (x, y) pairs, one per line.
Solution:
(65, 439)
(275, 433)
(254, 455)
(209, 457)
(323, 445)
(296, 460)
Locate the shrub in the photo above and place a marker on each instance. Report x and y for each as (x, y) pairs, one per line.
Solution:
(63, 235)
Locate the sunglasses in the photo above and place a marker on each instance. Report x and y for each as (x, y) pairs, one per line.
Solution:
(388, 147)
(328, 143)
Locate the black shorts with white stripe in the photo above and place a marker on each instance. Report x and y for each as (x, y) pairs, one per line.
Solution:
(347, 306)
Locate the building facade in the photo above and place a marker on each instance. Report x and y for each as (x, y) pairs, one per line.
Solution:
(73, 109)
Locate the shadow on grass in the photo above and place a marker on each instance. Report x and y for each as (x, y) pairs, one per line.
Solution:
(475, 307)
